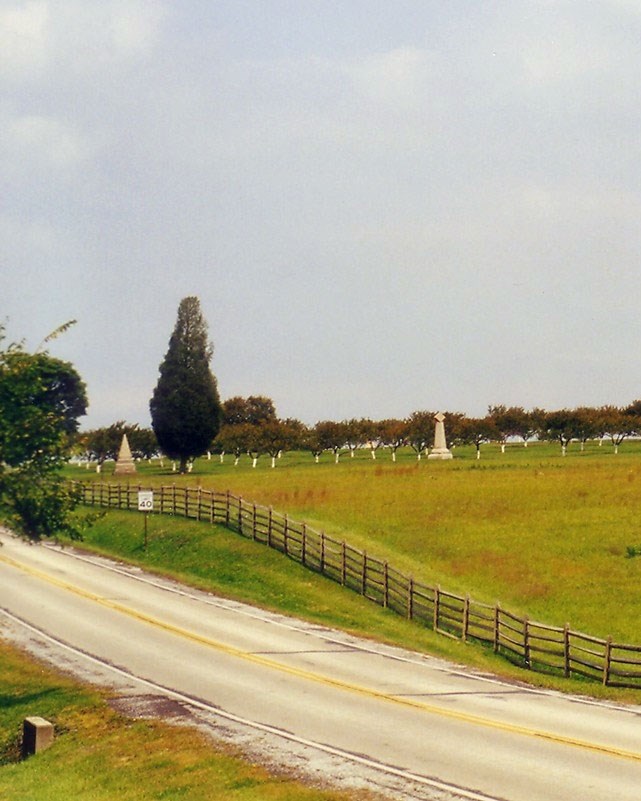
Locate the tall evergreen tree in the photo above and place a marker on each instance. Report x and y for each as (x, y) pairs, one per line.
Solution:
(185, 407)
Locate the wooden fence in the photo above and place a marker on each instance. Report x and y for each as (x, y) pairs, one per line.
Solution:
(536, 646)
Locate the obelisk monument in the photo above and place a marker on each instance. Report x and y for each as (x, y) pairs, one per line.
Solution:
(440, 449)
(125, 462)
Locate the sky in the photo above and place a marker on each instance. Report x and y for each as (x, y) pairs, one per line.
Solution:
(383, 207)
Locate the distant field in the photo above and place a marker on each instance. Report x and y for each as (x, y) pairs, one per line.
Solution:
(546, 536)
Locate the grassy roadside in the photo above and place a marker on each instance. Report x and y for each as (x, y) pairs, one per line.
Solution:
(103, 756)
(546, 536)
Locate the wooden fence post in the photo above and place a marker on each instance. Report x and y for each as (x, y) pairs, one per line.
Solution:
(437, 602)
(254, 532)
(466, 617)
(343, 563)
(364, 574)
(385, 585)
(526, 642)
(270, 523)
(322, 552)
(303, 546)
(285, 533)
(607, 661)
(410, 598)
(497, 623)
(566, 650)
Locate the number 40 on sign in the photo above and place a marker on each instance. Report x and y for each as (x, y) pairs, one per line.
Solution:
(145, 501)
(146, 505)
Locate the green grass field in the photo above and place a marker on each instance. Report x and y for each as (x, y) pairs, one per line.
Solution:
(546, 536)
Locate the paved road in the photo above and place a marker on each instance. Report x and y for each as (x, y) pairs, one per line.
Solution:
(453, 733)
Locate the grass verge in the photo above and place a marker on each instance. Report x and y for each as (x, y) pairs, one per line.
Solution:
(100, 755)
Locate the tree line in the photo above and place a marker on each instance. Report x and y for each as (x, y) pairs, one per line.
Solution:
(251, 427)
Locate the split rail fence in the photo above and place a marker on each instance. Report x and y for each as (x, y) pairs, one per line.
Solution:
(525, 642)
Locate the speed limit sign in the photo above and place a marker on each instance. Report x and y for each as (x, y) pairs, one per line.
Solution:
(145, 501)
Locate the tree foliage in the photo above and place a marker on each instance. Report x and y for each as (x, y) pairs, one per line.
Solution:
(185, 407)
(420, 431)
(41, 399)
(255, 409)
(100, 444)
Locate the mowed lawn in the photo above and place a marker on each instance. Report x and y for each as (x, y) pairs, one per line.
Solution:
(546, 536)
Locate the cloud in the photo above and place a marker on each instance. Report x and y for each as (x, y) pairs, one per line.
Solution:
(77, 40)
(398, 77)
(24, 44)
(49, 141)
(136, 26)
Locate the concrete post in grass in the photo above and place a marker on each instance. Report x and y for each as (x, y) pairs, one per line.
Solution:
(440, 450)
(37, 735)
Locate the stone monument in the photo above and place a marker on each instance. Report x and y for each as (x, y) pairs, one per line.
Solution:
(440, 449)
(125, 463)
(37, 735)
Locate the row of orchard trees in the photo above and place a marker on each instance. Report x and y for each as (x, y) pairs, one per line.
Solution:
(252, 433)
(251, 427)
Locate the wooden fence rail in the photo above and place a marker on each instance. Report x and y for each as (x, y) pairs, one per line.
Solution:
(532, 645)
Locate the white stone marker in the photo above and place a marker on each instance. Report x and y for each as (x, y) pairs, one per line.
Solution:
(37, 734)
(440, 450)
(125, 463)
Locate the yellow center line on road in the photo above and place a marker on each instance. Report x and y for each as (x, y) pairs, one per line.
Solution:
(319, 678)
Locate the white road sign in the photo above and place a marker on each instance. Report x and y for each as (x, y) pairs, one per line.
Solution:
(145, 501)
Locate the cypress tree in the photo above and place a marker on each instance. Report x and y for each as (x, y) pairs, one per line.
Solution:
(185, 407)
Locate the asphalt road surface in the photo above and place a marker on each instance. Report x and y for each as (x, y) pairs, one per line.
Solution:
(350, 711)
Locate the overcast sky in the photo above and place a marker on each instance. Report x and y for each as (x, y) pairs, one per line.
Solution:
(382, 206)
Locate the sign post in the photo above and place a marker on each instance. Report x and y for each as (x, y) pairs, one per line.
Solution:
(146, 505)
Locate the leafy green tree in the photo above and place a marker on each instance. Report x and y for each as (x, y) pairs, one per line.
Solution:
(420, 431)
(100, 444)
(587, 424)
(617, 424)
(185, 407)
(255, 409)
(41, 399)
(454, 425)
(234, 439)
(477, 430)
(563, 425)
(143, 443)
(356, 434)
(311, 441)
(330, 436)
(392, 433)
(277, 436)
(511, 421)
(103, 443)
